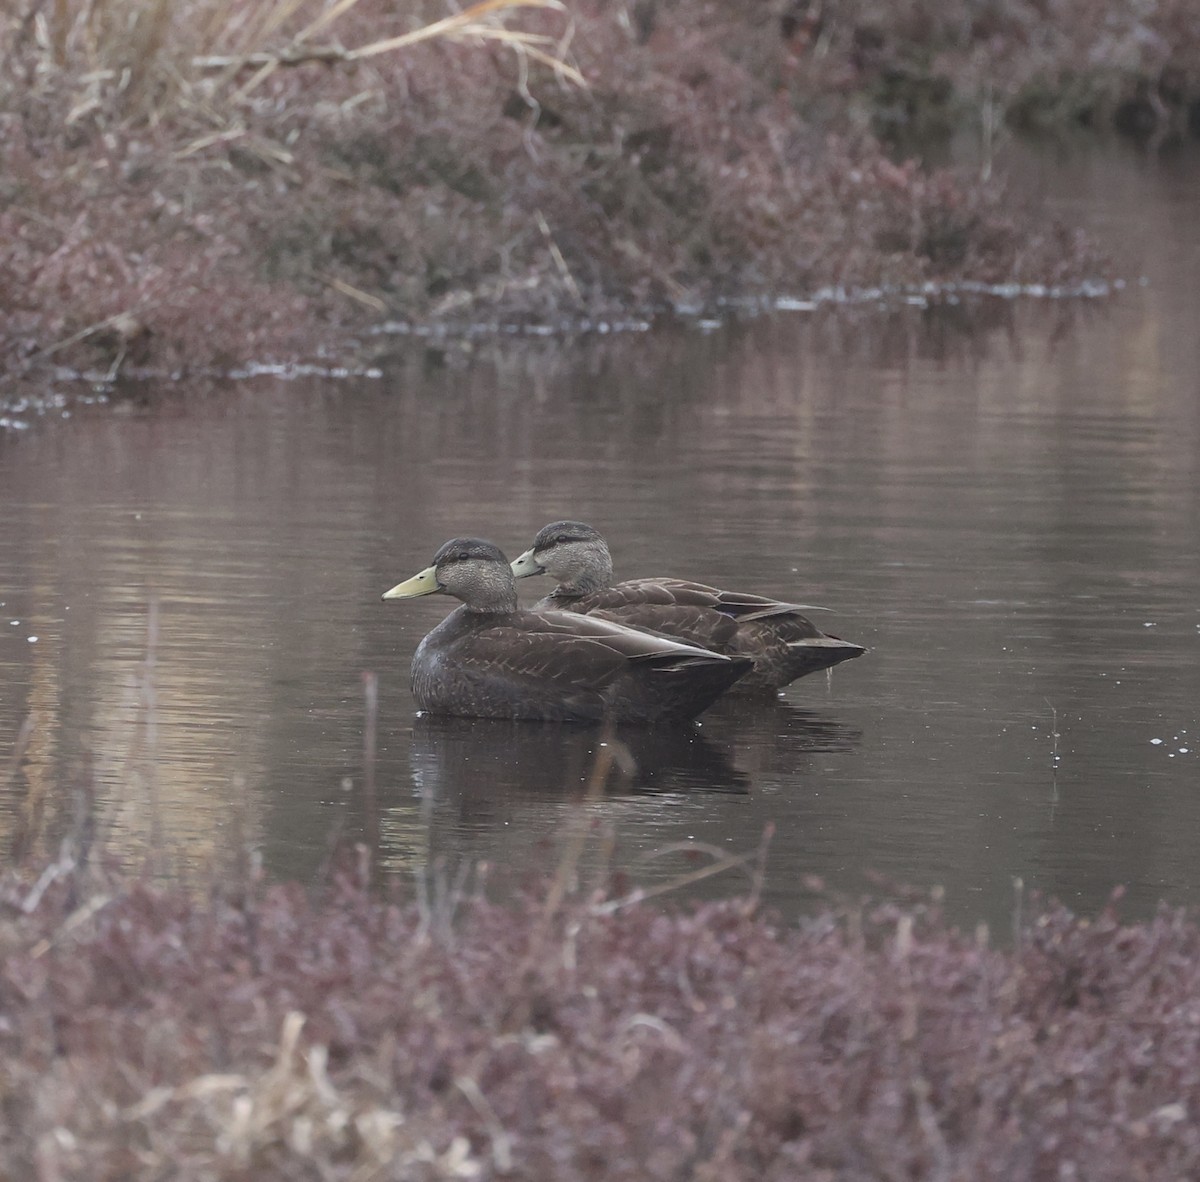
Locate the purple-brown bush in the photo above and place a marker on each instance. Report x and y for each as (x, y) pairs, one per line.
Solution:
(266, 1033)
(199, 182)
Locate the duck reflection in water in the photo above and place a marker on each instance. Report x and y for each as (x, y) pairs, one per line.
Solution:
(739, 745)
(490, 789)
(775, 740)
(483, 761)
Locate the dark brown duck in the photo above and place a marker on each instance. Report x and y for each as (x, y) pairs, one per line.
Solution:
(490, 659)
(781, 640)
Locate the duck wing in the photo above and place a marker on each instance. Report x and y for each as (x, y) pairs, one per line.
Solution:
(738, 604)
(654, 608)
(691, 611)
(783, 642)
(566, 666)
(588, 647)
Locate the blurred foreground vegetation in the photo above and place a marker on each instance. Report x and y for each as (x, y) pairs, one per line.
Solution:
(255, 1032)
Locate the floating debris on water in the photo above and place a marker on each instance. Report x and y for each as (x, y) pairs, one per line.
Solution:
(291, 370)
(924, 294)
(565, 327)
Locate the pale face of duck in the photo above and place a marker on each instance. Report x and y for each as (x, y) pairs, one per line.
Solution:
(471, 570)
(572, 553)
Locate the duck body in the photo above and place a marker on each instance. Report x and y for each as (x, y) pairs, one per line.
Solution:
(490, 659)
(778, 637)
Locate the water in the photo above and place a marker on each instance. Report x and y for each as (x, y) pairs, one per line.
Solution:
(1002, 503)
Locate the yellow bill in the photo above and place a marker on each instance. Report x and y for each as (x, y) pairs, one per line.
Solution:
(424, 583)
(526, 565)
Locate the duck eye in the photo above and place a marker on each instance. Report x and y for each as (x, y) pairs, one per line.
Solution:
(562, 539)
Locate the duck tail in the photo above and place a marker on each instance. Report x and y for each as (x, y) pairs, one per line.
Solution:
(814, 653)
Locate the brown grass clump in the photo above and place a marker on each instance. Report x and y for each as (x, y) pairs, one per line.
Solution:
(195, 182)
(263, 1033)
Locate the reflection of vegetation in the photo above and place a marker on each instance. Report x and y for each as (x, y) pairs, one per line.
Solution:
(254, 1032)
(215, 179)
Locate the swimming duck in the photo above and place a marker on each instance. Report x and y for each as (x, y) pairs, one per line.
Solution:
(782, 641)
(490, 659)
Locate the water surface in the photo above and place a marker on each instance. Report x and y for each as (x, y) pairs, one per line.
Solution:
(1002, 503)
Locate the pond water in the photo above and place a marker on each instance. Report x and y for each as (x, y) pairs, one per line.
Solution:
(1002, 502)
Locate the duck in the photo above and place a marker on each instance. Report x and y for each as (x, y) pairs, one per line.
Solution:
(778, 637)
(489, 658)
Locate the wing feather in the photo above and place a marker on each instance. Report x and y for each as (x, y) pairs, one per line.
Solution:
(783, 642)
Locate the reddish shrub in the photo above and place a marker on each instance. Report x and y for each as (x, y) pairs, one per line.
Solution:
(273, 1035)
(157, 208)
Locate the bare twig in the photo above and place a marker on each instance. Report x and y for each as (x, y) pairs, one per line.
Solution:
(501, 1141)
(118, 320)
(719, 866)
(370, 804)
(149, 702)
(1018, 913)
(760, 870)
(557, 256)
(470, 24)
(56, 870)
(24, 735)
(354, 293)
(76, 919)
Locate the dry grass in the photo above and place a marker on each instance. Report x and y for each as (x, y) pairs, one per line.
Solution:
(130, 59)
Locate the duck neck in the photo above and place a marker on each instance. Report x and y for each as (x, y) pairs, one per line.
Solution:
(493, 595)
(595, 575)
